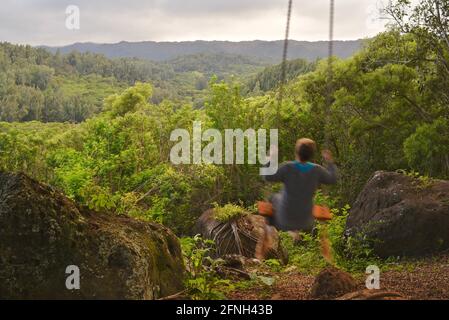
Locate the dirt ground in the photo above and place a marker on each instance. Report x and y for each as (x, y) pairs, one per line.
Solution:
(427, 279)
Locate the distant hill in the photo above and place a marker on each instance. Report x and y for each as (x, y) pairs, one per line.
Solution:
(271, 51)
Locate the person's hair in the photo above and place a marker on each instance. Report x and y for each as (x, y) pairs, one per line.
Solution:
(305, 149)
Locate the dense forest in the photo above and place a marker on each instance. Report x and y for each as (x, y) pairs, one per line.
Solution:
(270, 77)
(98, 129)
(38, 85)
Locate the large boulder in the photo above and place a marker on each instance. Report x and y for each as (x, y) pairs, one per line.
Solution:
(42, 232)
(248, 236)
(401, 215)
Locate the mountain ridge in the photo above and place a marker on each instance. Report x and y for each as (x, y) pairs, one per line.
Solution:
(161, 51)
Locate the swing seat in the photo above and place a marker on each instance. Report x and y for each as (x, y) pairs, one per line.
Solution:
(320, 213)
(265, 208)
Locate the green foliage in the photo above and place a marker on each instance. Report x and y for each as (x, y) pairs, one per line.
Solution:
(227, 108)
(306, 255)
(380, 97)
(322, 199)
(229, 212)
(130, 100)
(223, 65)
(270, 78)
(24, 146)
(267, 281)
(177, 198)
(353, 254)
(274, 264)
(427, 150)
(71, 171)
(202, 282)
(119, 161)
(421, 181)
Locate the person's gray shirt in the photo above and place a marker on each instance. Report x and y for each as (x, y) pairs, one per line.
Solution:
(294, 205)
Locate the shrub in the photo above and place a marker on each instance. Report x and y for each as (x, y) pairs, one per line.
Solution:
(352, 254)
(428, 148)
(202, 282)
(229, 212)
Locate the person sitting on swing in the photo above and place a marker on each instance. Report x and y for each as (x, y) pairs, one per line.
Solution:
(293, 206)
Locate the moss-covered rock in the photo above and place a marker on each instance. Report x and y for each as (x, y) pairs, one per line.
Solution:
(42, 232)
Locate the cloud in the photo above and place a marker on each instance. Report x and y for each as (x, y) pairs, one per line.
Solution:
(43, 21)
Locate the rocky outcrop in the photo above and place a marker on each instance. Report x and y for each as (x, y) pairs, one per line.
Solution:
(331, 283)
(42, 233)
(244, 236)
(399, 215)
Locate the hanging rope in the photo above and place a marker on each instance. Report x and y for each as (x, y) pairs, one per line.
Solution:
(330, 75)
(330, 71)
(284, 62)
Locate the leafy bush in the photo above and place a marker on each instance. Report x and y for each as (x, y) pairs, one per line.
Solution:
(273, 264)
(202, 282)
(352, 254)
(428, 148)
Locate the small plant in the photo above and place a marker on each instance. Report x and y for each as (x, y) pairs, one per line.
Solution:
(425, 182)
(305, 255)
(202, 281)
(422, 181)
(273, 264)
(229, 212)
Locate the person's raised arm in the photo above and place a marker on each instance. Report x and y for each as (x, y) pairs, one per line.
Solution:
(329, 174)
(279, 176)
(280, 173)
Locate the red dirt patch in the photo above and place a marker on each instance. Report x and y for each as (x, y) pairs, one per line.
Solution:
(427, 279)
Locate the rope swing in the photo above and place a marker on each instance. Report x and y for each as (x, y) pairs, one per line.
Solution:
(284, 58)
(321, 213)
(330, 74)
(330, 71)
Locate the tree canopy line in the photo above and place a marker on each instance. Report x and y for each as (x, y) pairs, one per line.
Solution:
(390, 111)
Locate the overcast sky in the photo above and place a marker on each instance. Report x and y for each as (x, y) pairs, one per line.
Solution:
(39, 22)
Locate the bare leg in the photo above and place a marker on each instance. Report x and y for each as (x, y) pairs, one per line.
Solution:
(265, 243)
